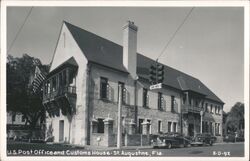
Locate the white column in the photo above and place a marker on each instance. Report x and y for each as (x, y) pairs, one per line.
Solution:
(119, 120)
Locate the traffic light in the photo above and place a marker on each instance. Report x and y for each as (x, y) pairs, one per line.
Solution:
(156, 73)
(152, 74)
(160, 73)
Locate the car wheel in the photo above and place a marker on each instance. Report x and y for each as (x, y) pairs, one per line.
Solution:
(203, 143)
(188, 145)
(210, 142)
(169, 145)
(155, 147)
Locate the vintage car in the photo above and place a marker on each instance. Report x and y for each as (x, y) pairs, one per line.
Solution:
(203, 139)
(169, 140)
(233, 137)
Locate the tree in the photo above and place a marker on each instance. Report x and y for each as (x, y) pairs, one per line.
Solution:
(20, 96)
(235, 118)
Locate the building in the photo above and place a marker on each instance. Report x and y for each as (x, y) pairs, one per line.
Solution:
(81, 92)
(15, 118)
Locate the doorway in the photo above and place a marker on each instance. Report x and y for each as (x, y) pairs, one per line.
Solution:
(191, 129)
(61, 130)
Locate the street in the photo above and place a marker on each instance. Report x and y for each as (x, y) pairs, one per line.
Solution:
(217, 150)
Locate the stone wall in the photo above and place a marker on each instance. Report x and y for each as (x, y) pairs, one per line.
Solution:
(137, 140)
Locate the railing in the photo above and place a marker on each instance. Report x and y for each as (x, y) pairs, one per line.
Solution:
(61, 91)
(188, 108)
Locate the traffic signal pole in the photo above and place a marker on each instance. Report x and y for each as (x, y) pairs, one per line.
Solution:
(119, 122)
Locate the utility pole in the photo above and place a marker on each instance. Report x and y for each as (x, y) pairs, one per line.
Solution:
(119, 120)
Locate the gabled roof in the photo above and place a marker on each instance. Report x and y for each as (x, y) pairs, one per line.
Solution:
(105, 52)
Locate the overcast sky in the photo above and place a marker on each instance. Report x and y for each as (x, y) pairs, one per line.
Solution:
(209, 46)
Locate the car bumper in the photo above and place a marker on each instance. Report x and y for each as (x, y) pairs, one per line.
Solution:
(158, 144)
(196, 143)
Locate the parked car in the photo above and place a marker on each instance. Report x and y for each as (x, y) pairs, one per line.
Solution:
(232, 137)
(203, 139)
(169, 140)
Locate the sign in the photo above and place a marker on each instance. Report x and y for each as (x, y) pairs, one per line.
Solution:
(156, 86)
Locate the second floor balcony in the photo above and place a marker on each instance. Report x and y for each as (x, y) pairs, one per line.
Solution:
(66, 91)
(61, 82)
(189, 108)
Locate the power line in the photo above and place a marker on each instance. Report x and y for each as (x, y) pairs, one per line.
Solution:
(18, 32)
(172, 37)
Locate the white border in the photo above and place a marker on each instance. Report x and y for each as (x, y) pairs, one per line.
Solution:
(4, 5)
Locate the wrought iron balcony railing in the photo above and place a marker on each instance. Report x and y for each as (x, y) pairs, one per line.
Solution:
(189, 108)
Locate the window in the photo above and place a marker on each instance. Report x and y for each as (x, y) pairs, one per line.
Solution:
(174, 127)
(104, 88)
(206, 126)
(184, 98)
(219, 110)
(196, 103)
(60, 80)
(159, 126)
(123, 92)
(145, 97)
(169, 126)
(172, 103)
(211, 127)
(13, 117)
(206, 108)
(53, 84)
(149, 126)
(203, 127)
(140, 126)
(202, 105)
(160, 100)
(100, 126)
(64, 78)
(211, 108)
(218, 129)
(23, 118)
(48, 87)
(190, 100)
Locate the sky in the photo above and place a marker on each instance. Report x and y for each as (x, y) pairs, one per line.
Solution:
(209, 46)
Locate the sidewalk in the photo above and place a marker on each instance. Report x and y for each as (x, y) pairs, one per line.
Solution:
(229, 143)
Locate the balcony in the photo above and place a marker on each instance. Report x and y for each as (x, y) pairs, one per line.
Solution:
(192, 109)
(67, 91)
(59, 91)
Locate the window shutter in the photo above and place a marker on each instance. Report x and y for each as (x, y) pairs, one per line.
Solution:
(108, 92)
(147, 101)
(125, 95)
(175, 106)
(162, 101)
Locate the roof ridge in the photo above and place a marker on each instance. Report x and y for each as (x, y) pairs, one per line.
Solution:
(92, 33)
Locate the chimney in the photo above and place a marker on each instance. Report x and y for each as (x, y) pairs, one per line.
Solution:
(130, 48)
